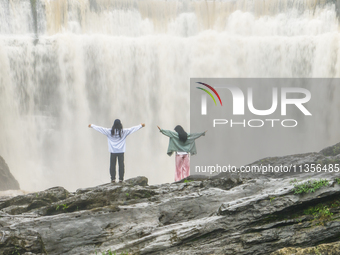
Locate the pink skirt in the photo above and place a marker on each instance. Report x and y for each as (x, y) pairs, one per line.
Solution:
(182, 166)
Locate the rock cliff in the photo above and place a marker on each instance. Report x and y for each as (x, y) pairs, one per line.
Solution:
(232, 213)
(7, 180)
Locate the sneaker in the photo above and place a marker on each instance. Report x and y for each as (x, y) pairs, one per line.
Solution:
(120, 181)
(113, 181)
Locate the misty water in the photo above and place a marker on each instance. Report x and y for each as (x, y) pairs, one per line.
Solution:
(66, 64)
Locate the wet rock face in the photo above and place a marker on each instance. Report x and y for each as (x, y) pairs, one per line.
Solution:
(7, 180)
(18, 242)
(230, 214)
(331, 150)
(34, 201)
(329, 249)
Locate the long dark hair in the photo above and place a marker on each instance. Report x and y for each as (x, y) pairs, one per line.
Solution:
(183, 136)
(117, 128)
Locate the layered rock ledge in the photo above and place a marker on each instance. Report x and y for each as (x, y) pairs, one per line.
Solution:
(226, 214)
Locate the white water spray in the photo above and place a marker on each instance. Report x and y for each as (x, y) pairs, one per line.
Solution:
(65, 64)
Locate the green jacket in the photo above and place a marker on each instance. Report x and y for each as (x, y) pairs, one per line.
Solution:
(176, 145)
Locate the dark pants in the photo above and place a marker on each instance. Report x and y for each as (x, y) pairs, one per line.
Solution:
(113, 160)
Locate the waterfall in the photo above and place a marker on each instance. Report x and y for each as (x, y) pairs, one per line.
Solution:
(67, 63)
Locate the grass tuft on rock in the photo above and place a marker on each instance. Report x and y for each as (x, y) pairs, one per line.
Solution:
(309, 186)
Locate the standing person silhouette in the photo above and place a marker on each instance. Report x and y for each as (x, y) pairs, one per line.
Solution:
(116, 137)
(182, 143)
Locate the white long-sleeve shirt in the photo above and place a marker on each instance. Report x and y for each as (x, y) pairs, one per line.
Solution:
(116, 143)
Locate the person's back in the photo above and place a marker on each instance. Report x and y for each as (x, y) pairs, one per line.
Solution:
(116, 137)
(117, 141)
(182, 144)
(178, 145)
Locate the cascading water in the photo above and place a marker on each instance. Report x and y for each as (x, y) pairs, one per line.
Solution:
(65, 64)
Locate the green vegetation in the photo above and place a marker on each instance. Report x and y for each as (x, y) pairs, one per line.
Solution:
(271, 199)
(16, 251)
(65, 206)
(320, 211)
(335, 204)
(309, 186)
(186, 181)
(337, 180)
(336, 149)
(317, 250)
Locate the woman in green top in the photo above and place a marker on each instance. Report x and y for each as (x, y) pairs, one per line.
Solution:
(182, 143)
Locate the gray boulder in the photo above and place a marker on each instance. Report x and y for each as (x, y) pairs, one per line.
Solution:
(7, 180)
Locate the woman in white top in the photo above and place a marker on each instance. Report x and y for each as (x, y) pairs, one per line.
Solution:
(116, 141)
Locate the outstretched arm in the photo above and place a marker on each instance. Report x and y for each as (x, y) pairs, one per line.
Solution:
(197, 135)
(131, 130)
(166, 132)
(104, 131)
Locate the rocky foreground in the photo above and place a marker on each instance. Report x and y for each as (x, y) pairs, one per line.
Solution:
(227, 214)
